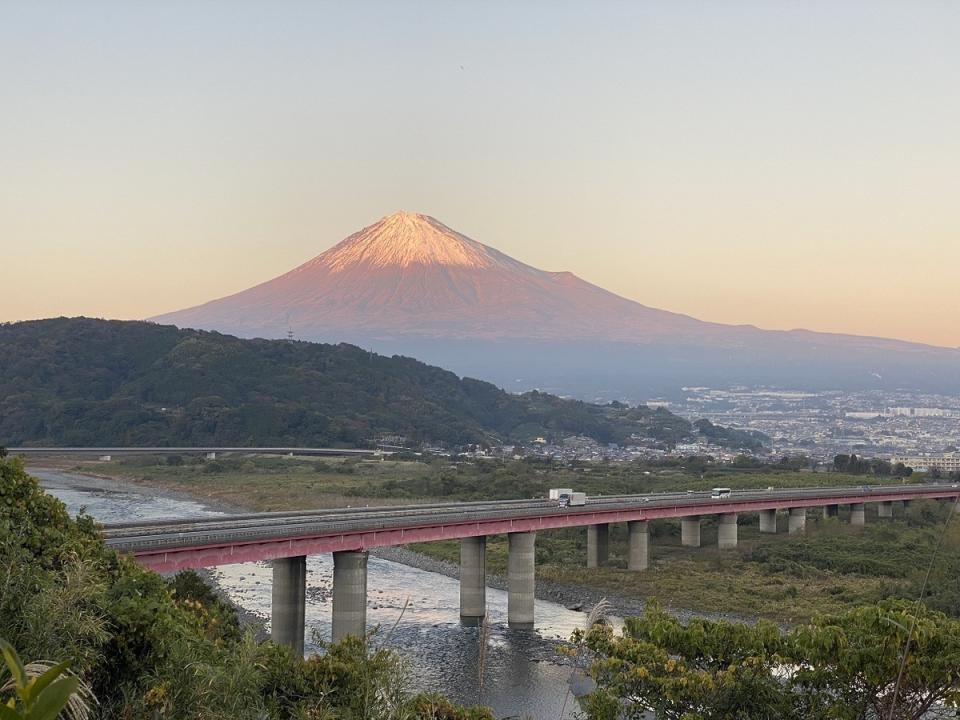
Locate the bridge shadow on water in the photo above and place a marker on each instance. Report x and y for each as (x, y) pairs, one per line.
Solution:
(524, 674)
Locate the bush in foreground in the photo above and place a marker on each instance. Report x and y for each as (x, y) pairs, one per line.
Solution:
(157, 648)
(842, 667)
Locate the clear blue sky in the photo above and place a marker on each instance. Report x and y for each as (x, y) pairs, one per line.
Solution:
(787, 164)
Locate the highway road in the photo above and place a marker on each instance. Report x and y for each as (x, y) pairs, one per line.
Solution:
(192, 451)
(258, 527)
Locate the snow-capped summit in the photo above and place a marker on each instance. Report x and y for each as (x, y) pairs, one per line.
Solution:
(406, 239)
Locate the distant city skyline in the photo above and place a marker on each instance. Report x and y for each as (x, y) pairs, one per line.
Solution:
(771, 163)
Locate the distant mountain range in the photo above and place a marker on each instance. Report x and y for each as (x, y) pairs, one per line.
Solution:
(409, 284)
(78, 381)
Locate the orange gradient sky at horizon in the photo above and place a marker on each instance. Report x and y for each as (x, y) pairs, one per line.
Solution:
(778, 164)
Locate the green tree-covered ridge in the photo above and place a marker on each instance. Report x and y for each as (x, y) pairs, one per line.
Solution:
(80, 381)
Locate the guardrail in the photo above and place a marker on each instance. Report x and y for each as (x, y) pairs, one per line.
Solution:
(170, 534)
(193, 451)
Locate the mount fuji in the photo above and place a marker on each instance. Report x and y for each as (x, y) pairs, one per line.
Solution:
(408, 284)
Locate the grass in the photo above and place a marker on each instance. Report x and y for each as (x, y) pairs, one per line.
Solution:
(278, 483)
(264, 484)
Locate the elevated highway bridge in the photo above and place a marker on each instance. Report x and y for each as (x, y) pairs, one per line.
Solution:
(287, 538)
(213, 450)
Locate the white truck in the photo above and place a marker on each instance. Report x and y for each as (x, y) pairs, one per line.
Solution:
(555, 493)
(572, 499)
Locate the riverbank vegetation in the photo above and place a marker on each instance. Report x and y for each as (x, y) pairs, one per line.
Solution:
(282, 483)
(786, 578)
(895, 661)
(151, 647)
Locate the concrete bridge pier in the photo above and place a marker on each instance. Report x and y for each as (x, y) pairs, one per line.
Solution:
(885, 509)
(598, 544)
(798, 520)
(768, 521)
(473, 579)
(690, 531)
(906, 504)
(857, 516)
(349, 594)
(521, 568)
(289, 602)
(727, 531)
(830, 511)
(639, 540)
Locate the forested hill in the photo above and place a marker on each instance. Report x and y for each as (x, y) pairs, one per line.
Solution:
(79, 381)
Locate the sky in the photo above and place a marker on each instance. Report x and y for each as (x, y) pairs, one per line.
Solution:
(782, 164)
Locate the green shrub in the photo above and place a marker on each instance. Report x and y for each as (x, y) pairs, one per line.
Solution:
(170, 648)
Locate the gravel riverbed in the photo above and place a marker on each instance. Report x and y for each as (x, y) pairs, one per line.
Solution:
(575, 597)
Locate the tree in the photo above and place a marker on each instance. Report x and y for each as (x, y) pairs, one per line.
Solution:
(895, 660)
(794, 462)
(849, 665)
(703, 669)
(743, 461)
(880, 467)
(901, 470)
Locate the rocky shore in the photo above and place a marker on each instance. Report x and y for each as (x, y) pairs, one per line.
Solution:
(573, 597)
(248, 619)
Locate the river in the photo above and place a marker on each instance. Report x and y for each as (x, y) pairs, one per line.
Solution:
(520, 678)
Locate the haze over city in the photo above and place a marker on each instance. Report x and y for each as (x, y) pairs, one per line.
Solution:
(783, 165)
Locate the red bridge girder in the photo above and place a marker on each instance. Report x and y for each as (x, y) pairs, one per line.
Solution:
(179, 558)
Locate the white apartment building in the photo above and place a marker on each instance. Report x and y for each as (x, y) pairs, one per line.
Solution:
(946, 463)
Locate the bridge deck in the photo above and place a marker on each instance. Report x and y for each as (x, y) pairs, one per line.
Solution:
(177, 544)
(122, 450)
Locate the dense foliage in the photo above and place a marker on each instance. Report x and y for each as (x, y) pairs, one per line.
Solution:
(896, 661)
(854, 465)
(151, 647)
(87, 382)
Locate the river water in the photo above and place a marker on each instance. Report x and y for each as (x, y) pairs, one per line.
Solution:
(520, 679)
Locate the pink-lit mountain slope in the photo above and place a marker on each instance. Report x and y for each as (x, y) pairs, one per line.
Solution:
(410, 284)
(411, 275)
